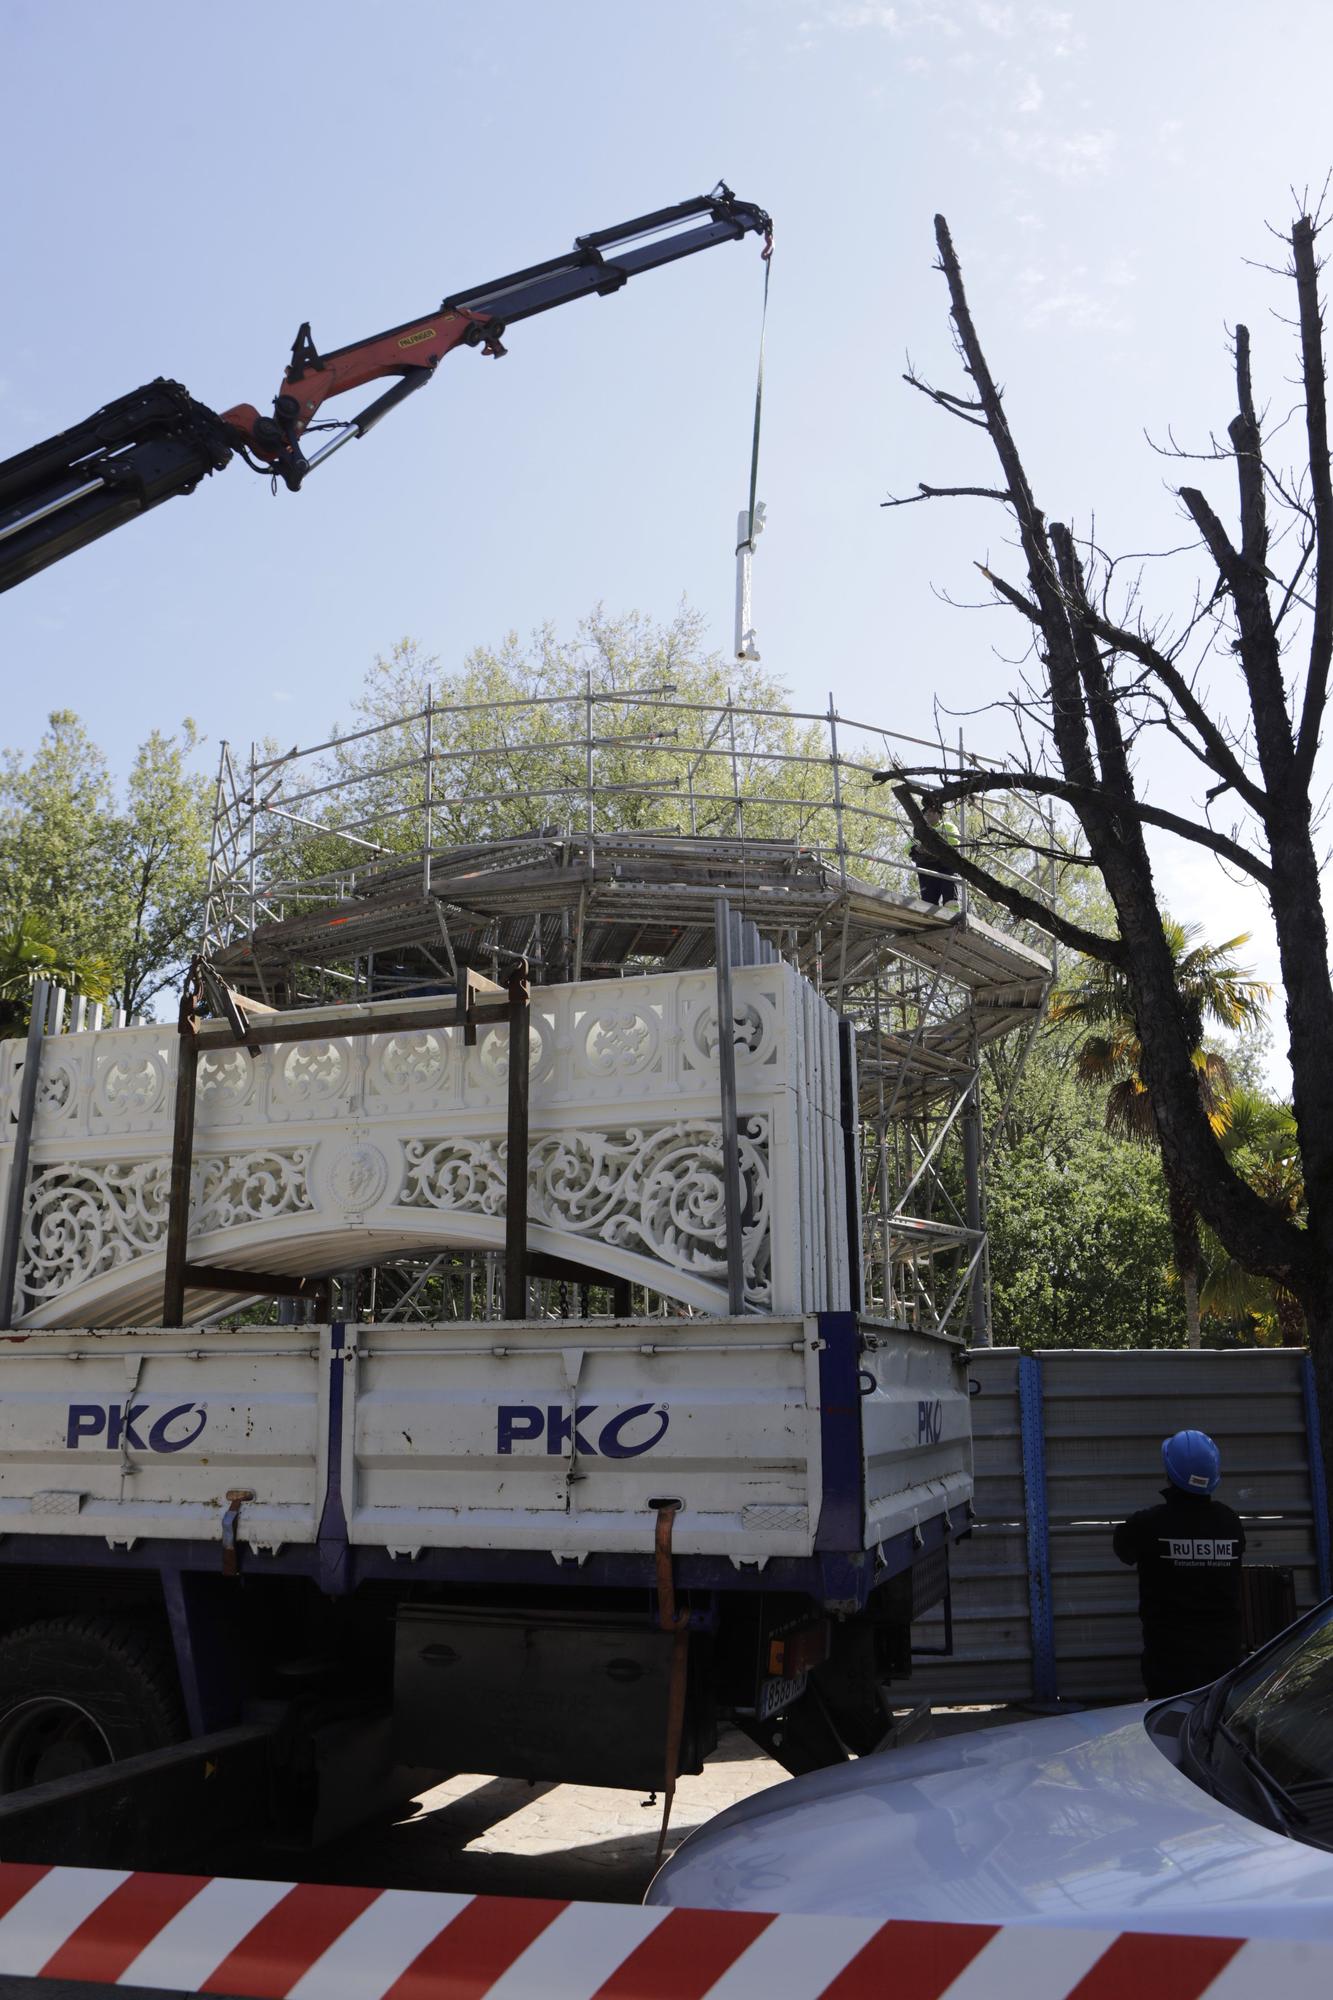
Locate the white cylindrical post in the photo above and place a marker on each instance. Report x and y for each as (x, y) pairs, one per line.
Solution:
(746, 645)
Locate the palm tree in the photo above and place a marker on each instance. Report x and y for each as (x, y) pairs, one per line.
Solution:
(1214, 991)
(28, 953)
(1261, 1143)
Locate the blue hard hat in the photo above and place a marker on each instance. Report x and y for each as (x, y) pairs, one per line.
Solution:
(1192, 1461)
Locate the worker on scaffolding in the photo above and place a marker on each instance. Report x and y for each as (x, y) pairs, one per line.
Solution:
(935, 888)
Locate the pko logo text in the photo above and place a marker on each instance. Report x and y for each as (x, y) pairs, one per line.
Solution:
(118, 1424)
(929, 1422)
(621, 1433)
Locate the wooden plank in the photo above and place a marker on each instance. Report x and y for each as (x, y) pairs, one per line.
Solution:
(470, 983)
(248, 1005)
(477, 982)
(222, 1278)
(388, 1021)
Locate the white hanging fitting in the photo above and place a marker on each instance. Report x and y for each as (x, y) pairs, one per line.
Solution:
(746, 645)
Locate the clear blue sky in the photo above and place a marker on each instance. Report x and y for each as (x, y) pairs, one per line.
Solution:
(196, 181)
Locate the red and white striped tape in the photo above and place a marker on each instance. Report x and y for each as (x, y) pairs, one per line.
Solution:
(303, 1941)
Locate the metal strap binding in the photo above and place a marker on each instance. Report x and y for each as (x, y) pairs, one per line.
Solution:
(677, 1623)
(748, 543)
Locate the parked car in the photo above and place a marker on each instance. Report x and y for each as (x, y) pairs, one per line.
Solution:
(1211, 1812)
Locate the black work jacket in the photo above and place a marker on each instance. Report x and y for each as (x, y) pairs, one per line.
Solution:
(1188, 1551)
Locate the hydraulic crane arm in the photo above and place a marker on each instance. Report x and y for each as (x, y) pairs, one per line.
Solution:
(158, 441)
(129, 456)
(478, 317)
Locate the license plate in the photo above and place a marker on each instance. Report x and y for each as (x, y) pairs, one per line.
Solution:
(776, 1695)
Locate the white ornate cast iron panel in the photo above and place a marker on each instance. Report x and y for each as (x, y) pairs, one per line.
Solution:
(321, 1155)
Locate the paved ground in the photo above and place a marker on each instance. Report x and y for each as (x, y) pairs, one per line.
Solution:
(505, 1837)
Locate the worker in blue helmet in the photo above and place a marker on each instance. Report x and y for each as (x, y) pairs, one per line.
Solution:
(1188, 1552)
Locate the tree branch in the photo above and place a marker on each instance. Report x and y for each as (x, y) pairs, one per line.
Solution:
(1069, 723)
(1220, 756)
(1243, 430)
(1311, 317)
(948, 788)
(1010, 595)
(1101, 702)
(1082, 701)
(1030, 908)
(1257, 643)
(1217, 753)
(1289, 594)
(957, 406)
(924, 492)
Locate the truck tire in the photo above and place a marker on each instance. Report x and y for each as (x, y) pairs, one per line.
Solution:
(76, 1693)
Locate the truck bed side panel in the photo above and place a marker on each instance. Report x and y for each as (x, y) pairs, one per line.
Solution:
(916, 1429)
(146, 1433)
(565, 1435)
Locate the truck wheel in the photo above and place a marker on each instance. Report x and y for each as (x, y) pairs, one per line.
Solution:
(76, 1693)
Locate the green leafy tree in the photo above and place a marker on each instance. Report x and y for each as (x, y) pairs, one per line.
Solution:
(511, 751)
(55, 809)
(117, 883)
(1262, 1142)
(1080, 1236)
(28, 953)
(1211, 990)
(152, 915)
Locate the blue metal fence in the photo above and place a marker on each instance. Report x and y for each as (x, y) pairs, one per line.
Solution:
(1041, 1609)
(1068, 1442)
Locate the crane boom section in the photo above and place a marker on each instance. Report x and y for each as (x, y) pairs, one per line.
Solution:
(478, 317)
(158, 441)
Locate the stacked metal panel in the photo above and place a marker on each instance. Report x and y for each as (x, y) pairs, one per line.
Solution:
(826, 1277)
(340, 1150)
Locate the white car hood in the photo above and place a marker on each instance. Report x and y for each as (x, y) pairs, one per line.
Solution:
(1074, 1819)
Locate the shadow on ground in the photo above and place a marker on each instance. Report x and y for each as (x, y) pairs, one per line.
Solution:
(475, 1835)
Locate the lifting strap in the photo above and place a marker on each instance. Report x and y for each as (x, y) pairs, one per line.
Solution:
(748, 543)
(677, 1623)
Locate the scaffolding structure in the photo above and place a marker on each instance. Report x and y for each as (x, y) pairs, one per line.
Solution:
(594, 834)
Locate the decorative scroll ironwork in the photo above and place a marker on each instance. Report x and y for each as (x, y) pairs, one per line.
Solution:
(402, 1137)
(82, 1221)
(654, 1190)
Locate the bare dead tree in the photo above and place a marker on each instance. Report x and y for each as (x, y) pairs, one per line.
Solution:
(1238, 689)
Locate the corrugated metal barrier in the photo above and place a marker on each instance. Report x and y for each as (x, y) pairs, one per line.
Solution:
(1068, 1442)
